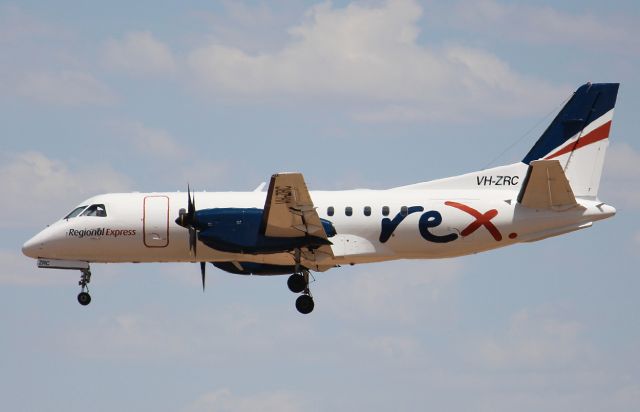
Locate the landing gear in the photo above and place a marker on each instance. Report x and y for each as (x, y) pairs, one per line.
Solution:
(82, 265)
(296, 283)
(304, 304)
(299, 283)
(84, 298)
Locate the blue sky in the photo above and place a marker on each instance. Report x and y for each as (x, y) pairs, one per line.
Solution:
(98, 97)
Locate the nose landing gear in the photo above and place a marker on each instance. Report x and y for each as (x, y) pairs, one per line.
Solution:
(84, 298)
(83, 266)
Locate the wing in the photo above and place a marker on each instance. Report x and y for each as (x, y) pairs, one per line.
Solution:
(289, 212)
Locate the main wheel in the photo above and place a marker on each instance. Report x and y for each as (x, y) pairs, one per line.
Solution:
(304, 304)
(296, 283)
(84, 298)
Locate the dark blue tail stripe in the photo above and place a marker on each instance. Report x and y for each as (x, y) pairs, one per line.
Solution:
(587, 104)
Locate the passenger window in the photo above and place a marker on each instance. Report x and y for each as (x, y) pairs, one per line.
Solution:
(348, 210)
(95, 210)
(385, 210)
(367, 210)
(75, 212)
(330, 211)
(404, 210)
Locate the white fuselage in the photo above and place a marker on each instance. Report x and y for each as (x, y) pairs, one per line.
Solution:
(141, 227)
(291, 230)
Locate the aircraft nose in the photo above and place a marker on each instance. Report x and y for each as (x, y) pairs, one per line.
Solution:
(30, 247)
(34, 246)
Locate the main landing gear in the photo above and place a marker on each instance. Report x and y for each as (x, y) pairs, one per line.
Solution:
(299, 283)
(84, 298)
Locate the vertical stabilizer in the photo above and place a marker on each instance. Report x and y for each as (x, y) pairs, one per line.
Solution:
(578, 137)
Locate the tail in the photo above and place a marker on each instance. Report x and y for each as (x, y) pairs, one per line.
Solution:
(578, 137)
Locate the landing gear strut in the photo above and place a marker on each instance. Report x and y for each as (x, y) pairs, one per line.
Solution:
(84, 298)
(82, 265)
(299, 283)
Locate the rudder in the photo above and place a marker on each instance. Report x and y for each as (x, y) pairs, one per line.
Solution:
(578, 137)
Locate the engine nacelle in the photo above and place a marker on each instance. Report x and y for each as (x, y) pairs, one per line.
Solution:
(251, 268)
(237, 230)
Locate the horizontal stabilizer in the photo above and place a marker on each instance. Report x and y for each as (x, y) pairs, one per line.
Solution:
(536, 236)
(546, 187)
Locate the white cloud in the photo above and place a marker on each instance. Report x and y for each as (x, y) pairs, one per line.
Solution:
(371, 54)
(153, 142)
(622, 162)
(397, 292)
(205, 174)
(213, 337)
(131, 336)
(39, 62)
(252, 27)
(139, 53)
(627, 397)
(224, 400)
(18, 270)
(16, 24)
(42, 189)
(395, 348)
(534, 339)
(546, 25)
(181, 163)
(66, 87)
(621, 177)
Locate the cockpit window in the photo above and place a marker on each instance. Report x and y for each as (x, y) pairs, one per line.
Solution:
(95, 210)
(75, 212)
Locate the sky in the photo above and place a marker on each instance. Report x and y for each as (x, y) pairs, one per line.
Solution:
(100, 97)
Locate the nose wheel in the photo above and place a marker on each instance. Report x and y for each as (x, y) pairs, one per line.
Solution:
(84, 298)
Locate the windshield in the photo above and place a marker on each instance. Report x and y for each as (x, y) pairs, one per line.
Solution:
(75, 212)
(95, 210)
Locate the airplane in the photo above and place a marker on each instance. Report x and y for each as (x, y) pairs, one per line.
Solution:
(289, 230)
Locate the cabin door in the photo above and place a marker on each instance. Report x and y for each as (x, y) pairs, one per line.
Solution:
(156, 221)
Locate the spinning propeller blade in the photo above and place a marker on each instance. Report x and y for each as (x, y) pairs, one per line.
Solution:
(203, 266)
(189, 220)
(192, 240)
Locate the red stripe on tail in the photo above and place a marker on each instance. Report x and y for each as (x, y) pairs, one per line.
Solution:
(595, 135)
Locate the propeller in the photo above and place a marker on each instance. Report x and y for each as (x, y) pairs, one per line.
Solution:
(189, 220)
(203, 266)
